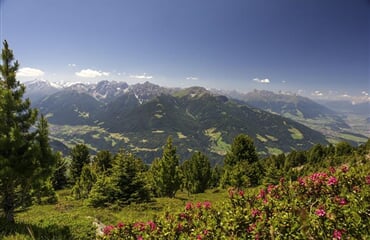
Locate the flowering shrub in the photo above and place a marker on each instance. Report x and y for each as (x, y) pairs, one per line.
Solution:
(334, 204)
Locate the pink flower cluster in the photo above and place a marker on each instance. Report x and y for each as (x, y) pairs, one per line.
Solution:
(256, 212)
(367, 179)
(332, 181)
(140, 226)
(108, 229)
(337, 234)
(340, 201)
(320, 212)
(319, 179)
(206, 205)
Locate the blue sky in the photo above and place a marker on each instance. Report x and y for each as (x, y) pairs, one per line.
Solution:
(315, 47)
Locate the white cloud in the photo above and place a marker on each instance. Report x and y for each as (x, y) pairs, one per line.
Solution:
(266, 80)
(283, 81)
(192, 78)
(142, 76)
(89, 73)
(365, 93)
(30, 72)
(72, 65)
(317, 93)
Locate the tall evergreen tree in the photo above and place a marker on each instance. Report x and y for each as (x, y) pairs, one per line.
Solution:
(242, 150)
(103, 161)
(59, 179)
(42, 184)
(80, 156)
(316, 154)
(197, 173)
(125, 185)
(128, 176)
(216, 174)
(241, 167)
(343, 149)
(22, 152)
(85, 182)
(166, 171)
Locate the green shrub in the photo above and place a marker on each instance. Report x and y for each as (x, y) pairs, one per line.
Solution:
(333, 204)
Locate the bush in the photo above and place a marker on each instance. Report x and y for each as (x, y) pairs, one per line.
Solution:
(332, 204)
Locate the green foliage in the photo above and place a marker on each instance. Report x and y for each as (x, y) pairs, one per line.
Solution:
(197, 120)
(285, 210)
(80, 156)
(59, 178)
(324, 205)
(242, 150)
(125, 185)
(196, 173)
(295, 159)
(343, 149)
(316, 154)
(103, 192)
(128, 176)
(165, 171)
(241, 167)
(103, 161)
(85, 183)
(216, 174)
(274, 167)
(25, 157)
(42, 185)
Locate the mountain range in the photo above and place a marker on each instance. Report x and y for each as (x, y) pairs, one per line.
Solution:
(113, 115)
(337, 120)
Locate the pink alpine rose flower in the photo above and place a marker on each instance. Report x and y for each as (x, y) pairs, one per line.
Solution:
(332, 181)
(207, 205)
(255, 212)
(367, 179)
(152, 225)
(337, 234)
(188, 206)
(108, 229)
(320, 212)
(120, 225)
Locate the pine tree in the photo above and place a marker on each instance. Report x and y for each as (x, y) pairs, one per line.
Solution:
(85, 183)
(80, 156)
(343, 149)
(103, 192)
(128, 176)
(241, 167)
(103, 161)
(167, 180)
(125, 185)
(216, 174)
(197, 173)
(242, 150)
(42, 186)
(21, 150)
(59, 179)
(316, 154)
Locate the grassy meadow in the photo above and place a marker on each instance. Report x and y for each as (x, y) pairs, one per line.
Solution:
(72, 219)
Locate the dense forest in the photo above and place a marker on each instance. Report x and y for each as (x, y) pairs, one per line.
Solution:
(319, 193)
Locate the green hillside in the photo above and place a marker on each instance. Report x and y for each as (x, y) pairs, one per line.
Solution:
(194, 117)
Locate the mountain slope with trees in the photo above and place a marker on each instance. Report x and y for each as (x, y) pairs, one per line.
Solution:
(335, 125)
(196, 119)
